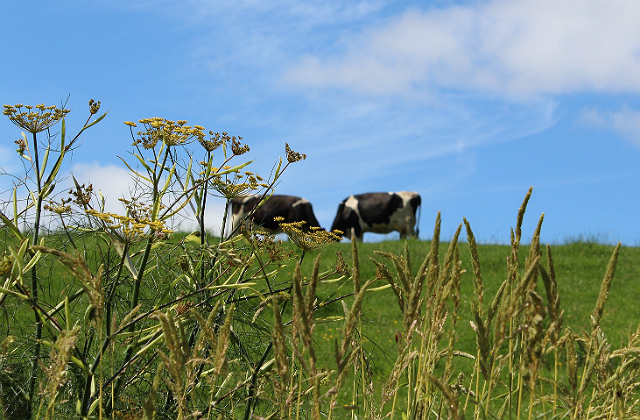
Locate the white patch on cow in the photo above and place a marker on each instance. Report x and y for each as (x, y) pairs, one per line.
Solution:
(236, 218)
(402, 220)
(301, 201)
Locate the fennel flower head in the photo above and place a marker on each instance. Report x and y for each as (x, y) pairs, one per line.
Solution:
(314, 238)
(165, 131)
(239, 185)
(34, 119)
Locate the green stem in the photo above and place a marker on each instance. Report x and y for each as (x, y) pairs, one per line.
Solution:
(86, 397)
(34, 277)
(251, 399)
(134, 303)
(156, 176)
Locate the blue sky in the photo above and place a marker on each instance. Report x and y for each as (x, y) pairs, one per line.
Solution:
(468, 103)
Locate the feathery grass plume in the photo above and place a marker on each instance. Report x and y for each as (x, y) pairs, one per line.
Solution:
(484, 359)
(622, 385)
(454, 293)
(533, 337)
(513, 307)
(597, 347)
(356, 265)
(435, 246)
(605, 287)
(437, 312)
(58, 370)
(475, 263)
(404, 358)
(218, 341)
(551, 289)
(449, 396)
(222, 346)
(450, 257)
(597, 350)
(311, 289)
(303, 316)
(77, 266)
(149, 405)
(516, 236)
(383, 273)
(348, 347)
(279, 344)
(14, 398)
(352, 315)
(534, 249)
(521, 212)
(569, 340)
(176, 362)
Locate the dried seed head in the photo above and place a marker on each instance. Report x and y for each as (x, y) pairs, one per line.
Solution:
(94, 106)
(237, 147)
(293, 156)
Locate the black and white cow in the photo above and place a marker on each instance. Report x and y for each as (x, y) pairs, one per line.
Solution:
(379, 213)
(291, 208)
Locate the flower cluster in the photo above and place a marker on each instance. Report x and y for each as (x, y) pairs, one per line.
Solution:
(59, 208)
(94, 106)
(241, 184)
(314, 238)
(34, 119)
(165, 131)
(272, 246)
(129, 229)
(6, 264)
(293, 156)
(82, 194)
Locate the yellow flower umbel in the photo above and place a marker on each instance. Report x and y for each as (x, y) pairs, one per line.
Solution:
(165, 131)
(128, 229)
(240, 185)
(315, 238)
(34, 119)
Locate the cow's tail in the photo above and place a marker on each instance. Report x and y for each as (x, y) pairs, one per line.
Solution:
(418, 219)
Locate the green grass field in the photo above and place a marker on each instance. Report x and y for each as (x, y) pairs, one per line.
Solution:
(580, 268)
(114, 316)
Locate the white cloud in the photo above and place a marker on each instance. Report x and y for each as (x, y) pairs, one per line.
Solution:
(112, 181)
(115, 182)
(625, 122)
(511, 48)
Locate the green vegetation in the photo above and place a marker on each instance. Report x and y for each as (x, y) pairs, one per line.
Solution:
(109, 315)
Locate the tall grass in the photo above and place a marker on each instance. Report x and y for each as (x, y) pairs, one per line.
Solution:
(141, 322)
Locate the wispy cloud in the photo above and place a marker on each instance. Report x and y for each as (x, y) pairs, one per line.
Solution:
(114, 182)
(511, 48)
(625, 121)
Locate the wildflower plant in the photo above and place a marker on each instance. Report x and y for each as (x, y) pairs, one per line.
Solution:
(121, 315)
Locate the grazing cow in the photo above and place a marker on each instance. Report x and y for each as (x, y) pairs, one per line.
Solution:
(379, 213)
(291, 208)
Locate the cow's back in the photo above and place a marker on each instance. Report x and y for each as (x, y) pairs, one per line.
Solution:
(290, 208)
(378, 212)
